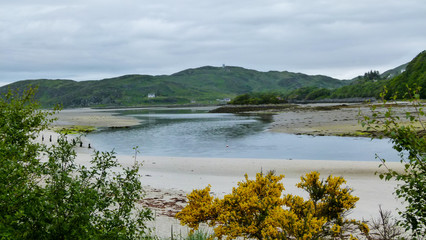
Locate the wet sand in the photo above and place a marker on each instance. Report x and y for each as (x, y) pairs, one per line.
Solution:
(93, 118)
(329, 119)
(338, 122)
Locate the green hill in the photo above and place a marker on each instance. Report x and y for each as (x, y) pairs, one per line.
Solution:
(413, 76)
(199, 85)
(394, 72)
(372, 84)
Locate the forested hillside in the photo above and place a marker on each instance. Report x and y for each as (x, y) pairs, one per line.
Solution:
(373, 83)
(414, 75)
(199, 85)
(368, 86)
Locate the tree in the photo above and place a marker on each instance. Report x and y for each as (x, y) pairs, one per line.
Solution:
(258, 98)
(408, 138)
(45, 194)
(256, 209)
(372, 75)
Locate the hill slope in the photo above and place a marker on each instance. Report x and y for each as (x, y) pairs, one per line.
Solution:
(394, 72)
(201, 85)
(412, 74)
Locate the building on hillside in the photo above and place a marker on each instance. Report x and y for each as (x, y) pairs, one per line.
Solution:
(151, 95)
(224, 100)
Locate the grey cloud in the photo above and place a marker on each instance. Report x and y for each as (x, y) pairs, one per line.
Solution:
(90, 38)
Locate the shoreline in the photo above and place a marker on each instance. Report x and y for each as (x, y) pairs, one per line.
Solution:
(315, 119)
(179, 175)
(167, 180)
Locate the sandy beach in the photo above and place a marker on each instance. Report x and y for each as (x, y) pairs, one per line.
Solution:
(167, 180)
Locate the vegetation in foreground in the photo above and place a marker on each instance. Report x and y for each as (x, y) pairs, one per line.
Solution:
(44, 194)
(409, 140)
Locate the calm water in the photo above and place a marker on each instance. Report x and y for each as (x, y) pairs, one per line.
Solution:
(196, 133)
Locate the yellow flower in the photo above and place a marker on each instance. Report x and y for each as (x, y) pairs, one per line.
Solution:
(257, 209)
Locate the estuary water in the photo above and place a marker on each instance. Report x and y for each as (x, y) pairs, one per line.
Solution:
(193, 132)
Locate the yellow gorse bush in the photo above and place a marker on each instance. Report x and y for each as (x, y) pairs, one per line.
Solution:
(200, 208)
(258, 209)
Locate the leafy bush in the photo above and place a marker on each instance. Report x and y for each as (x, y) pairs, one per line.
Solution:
(44, 194)
(408, 138)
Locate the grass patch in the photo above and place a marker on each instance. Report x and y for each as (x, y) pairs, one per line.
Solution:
(76, 129)
(199, 235)
(356, 134)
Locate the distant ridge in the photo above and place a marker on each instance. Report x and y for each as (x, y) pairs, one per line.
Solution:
(213, 85)
(203, 85)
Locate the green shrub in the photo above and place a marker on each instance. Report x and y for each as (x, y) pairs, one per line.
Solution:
(45, 194)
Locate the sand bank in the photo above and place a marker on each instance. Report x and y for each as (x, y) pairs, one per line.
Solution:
(168, 179)
(223, 174)
(184, 174)
(308, 119)
(94, 118)
(328, 119)
(326, 122)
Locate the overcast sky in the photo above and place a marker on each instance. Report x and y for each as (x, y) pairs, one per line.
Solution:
(95, 39)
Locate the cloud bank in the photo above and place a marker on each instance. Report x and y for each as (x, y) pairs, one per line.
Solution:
(94, 39)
